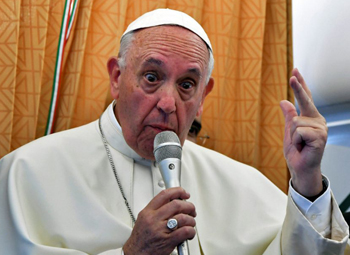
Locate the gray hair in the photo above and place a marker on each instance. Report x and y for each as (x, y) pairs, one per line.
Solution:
(125, 44)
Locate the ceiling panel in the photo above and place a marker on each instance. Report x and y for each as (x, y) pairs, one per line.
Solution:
(321, 45)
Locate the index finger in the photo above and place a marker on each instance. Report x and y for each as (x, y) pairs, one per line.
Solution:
(300, 78)
(305, 102)
(167, 195)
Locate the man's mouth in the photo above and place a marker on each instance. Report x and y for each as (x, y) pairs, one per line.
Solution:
(161, 128)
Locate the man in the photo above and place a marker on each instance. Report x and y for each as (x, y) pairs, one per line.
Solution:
(97, 190)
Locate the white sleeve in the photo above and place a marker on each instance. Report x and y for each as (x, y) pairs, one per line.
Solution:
(318, 213)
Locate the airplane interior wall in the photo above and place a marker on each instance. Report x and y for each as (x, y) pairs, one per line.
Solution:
(321, 50)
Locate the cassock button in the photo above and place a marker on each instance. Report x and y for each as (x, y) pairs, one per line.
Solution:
(161, 183)
(313, 217)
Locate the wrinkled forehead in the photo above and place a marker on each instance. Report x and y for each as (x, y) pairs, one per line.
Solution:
(160, 17)
(173, 42)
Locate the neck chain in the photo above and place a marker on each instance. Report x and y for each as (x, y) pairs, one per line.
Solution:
(115, 171)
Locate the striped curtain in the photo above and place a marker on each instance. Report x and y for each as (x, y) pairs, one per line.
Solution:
(53, 70)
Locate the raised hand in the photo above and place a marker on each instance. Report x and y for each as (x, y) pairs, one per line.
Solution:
(304, 140)
(151, 234)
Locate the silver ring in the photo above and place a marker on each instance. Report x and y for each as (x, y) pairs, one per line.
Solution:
(172, 224)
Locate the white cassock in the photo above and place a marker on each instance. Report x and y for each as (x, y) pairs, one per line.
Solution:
(58, 195)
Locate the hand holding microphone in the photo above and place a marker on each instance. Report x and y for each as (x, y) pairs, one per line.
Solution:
(152, 232)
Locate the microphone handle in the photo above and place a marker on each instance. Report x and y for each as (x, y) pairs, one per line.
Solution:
(182, 249)
(170, 169)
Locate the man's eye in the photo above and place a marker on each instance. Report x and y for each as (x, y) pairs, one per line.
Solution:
(186, 85)
(151, 77)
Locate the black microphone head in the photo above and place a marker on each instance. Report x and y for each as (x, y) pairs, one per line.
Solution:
(167, 145)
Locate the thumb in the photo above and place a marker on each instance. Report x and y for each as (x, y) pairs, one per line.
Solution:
(288, 109)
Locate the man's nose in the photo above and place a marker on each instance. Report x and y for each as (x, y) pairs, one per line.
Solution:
(167, 101)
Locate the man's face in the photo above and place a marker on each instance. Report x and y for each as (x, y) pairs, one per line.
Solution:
(162, 86)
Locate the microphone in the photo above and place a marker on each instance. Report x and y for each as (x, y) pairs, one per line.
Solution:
(167, 152)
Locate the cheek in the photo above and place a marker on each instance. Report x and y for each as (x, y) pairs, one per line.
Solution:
(135, 108)
(186, 117)
(192, 110)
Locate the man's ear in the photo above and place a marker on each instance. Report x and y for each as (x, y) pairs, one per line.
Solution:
(114, 74)
(206, 91)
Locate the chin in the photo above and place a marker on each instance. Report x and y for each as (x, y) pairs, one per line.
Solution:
(147, 156)
(145, 149)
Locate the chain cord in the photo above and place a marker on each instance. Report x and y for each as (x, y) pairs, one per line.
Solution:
(115, 171)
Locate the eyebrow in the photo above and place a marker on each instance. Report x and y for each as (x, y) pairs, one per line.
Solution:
(160, 63)
(195, 71)
(154, 61)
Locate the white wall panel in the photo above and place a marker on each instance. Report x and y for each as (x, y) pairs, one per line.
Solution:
(321, 41)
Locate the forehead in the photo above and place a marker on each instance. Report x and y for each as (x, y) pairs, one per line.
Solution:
(170, 41)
